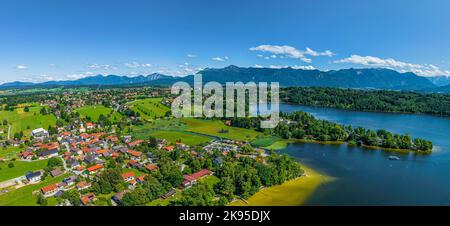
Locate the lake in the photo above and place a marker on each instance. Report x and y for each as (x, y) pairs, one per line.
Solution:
(368, 177)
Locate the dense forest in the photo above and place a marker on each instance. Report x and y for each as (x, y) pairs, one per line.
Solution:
(301, 125)
(364, 100)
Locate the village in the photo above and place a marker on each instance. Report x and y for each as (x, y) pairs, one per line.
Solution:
(119, 147)
(85, 155)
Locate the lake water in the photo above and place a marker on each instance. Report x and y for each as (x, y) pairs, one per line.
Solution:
(368, 177)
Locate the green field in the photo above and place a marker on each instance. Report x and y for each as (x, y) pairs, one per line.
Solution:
(24, 196)
(149, 108)
(213, 127)
(25, 121)
(95, 111)
(175, 136)
(9, 152)
(20, 168)
(265, 141)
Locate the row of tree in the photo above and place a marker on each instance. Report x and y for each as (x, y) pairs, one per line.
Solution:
(365, 100)
(301, 125)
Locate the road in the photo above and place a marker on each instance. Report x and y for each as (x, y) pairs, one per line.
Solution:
(9, 131)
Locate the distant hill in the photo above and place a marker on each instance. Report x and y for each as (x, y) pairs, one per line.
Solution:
(440, 89)
(346, 78)
(440, 80)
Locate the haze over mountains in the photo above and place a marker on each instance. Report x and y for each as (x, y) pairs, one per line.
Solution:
(371, 78)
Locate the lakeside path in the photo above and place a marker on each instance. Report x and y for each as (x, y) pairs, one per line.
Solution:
(291, 193)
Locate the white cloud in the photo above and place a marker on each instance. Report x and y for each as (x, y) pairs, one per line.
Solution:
(191, 55)
(302, 67)
(21, 67)
(80, 75)
(419, 69)
(291, 52)
(97, 66)
(45, 77)
(137, 65)
(186, 69)
(225, 58)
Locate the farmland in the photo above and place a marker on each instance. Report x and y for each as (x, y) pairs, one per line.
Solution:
(25, 121)
(20, 168)
(149, 108)
(24, 196)
(94, 112)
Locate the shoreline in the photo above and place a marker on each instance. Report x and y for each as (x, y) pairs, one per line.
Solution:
(294, 192)
(281, 144)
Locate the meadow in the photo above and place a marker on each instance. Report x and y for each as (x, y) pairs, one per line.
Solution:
(149, 108)
(24, 196)
(218, 129)
(20, 168)
(9, 152)
(93, 112)
(25, 121)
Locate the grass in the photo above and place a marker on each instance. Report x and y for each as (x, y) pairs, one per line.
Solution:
(10, 152)
(26, 121)
(24, 196)
(149, 108)
(184, 137)
(291, 193)
(94, 112)
(213, 127)
(20, 168)
(165, 202)
(265, 141)
(210, 180)
(278, 145)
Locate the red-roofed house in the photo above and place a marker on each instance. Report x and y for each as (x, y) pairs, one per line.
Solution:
(50, 189)
(90, 125)
(135, 143)
(135, 154)
(168, 148)
(86, 199)
(128, 176)
(95, 168)
(191, 179)
(83, 185)
(151, 167)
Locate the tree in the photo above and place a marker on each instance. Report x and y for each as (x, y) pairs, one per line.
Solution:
(152, 142)
(54, 162)
(11, 165)
(171, 173)
(41, 200)
(26, 109)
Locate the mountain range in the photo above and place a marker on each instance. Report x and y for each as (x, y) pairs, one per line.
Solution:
(369, 78)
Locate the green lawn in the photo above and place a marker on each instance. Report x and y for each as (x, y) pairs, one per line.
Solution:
(213, 127)
(149, 108)
(24, 196)
(175, 136)
(210, 180)
(95, 111)
(25, 121)
(10, 152)
(165, 202)
(265, 141)
(20, 168)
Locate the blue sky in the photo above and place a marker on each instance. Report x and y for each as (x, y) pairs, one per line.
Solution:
(54, 40)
